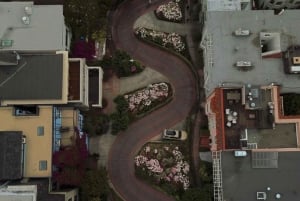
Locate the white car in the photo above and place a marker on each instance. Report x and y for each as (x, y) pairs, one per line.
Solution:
(174, 134)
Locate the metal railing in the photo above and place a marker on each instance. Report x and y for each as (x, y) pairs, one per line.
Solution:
(217, 176)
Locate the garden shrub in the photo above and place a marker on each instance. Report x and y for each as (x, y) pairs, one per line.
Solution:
(124, 65)
(291, 104)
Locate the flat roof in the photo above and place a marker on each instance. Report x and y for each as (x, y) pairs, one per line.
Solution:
(242, 182)
(46, 30)
(227, 49)
(223, 5)
(36, 77)
(10, 155)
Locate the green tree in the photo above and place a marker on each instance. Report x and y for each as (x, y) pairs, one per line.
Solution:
(120, 121)
(95, 185)
(120, 118)
(86, 17)
(198, 194)
(291, 104)
(96, 124)
(125, 66)
(205, 171)
(122, 104)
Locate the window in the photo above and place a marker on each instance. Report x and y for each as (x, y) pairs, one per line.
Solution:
(24, 110)
(40, 130)
(43, 165)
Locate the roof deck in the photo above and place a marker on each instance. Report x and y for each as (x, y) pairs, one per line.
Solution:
(241, 126)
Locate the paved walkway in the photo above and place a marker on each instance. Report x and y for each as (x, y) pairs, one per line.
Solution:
(101, 145)
(143, 79)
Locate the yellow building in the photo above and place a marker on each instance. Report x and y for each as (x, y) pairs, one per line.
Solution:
(44, 130)
(37, 131)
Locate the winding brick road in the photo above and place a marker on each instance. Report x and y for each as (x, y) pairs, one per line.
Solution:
(128, 143)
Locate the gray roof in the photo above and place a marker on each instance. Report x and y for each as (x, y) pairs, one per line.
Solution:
(36, 77)
(227, 49)
(10, 155)
(241, 181)
(46, 30)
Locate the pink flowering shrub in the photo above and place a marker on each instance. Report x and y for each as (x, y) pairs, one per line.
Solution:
(165, 164)
(144, 99)
(170, 11)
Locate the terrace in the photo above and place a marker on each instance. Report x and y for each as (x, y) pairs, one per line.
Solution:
(249, 120)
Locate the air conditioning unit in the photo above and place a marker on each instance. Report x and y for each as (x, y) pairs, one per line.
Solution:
(28, 10)
(296, 60)
(243, 63)
(26, 20)
(24, 140)
(241, 32)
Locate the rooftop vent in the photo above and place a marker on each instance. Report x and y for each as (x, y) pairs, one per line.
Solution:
(26, 20)
(296, 60)
(6, 43)
(243, 63)
(241, 32)
(28, 10)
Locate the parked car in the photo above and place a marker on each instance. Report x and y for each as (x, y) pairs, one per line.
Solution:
(170, 134)
(240, 153)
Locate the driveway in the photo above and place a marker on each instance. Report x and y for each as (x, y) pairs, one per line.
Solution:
(128, 143)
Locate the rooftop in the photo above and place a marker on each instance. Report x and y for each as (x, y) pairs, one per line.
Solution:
(18, 192)
(35, 77)
(46, 2)
(32, 27)
(10, 155)
(227, 5)
(241, 181)
(241, 124)
(38, 130)
(224, 49)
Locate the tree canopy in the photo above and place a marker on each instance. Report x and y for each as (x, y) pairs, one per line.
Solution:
(198, 194)
(291, 104)
(94, 185)
(86, 17)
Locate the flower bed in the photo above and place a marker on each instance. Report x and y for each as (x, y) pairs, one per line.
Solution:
(143, 100)
(172, 11)
(163, 163)
(171, 41)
